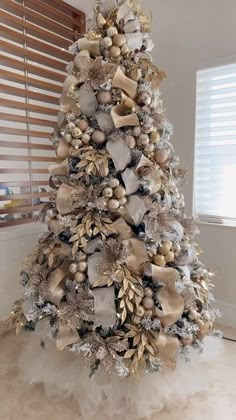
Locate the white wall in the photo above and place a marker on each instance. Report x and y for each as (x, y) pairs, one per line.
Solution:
(186, 33)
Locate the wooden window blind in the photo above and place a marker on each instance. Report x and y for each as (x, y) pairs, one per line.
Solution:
(35, 36)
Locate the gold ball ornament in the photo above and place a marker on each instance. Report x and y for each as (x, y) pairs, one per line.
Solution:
(119, 192)
(112, 31)
(113, 183)
(159, 260)
(135, 74)
(149, 313)
(115, 52)
(170, 257)
(155, 137)
(148, 303)
(187, 341)
(98, 137)
(68, 138)
(82, 256)
(161, 156)
(107, 42)
(148, 292)
(144, 99)
(118, 40)
(82, 124)
(164, 249)
(104, 97)
(123, 201)
(140, 311)
(107, 192)
(137, 320)
(82, 266)
(202, 329)
(76, 132)
(76, 143)
(125, 49)
(86, 139)
(113, 205)
(80, 277)
(143, 140)
(130, 141)
(149, 148)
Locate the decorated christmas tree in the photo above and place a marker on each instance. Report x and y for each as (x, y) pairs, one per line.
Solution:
(118, 276)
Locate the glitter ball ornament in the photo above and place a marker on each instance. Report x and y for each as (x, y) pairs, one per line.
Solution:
(113, 183)
(155, 137)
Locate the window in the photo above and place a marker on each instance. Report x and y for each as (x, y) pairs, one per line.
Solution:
(35, 37)
(215, 145)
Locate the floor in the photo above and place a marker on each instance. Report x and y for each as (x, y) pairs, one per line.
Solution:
(219, 403)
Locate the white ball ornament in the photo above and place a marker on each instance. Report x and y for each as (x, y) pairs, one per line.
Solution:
(107, 42)
(143, 140)
(112, 31)
(130, 141)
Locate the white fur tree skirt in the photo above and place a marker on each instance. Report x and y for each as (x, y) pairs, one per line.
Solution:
(64, 375)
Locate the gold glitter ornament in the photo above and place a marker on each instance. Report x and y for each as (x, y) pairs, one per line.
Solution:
(113, 205)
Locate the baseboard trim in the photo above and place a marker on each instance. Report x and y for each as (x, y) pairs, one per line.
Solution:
(229, 313)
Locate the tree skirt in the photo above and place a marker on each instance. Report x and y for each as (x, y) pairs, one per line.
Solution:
(104, 396)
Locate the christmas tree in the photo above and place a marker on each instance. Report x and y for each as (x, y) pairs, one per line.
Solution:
(118, 276)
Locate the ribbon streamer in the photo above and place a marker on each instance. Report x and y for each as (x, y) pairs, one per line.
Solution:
(93, 275)
(131, 181)
(65, 199)
(125, 83)
(137, 255)
(119, 152)
(122, 229)
(172, 303)
(168, 349)
(104, 307)
(59, 169)
(134, 210)
(66, 336)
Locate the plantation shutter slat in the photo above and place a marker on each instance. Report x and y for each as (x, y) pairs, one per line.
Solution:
(215, 144)
(35, 36)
